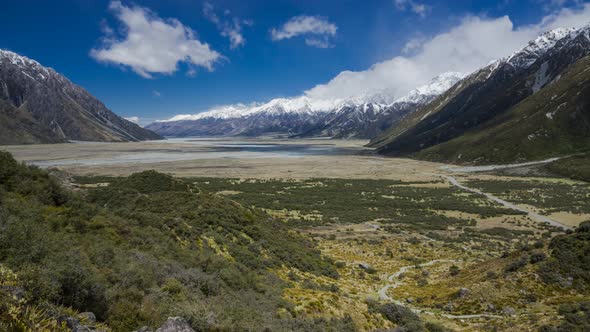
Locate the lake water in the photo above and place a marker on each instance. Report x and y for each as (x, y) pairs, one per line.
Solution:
(183, 149)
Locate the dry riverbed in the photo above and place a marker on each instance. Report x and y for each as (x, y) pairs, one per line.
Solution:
(228, 158)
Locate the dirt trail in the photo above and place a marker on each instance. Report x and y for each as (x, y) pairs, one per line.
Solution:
(509, 205)
(396, 282)
(487, 168)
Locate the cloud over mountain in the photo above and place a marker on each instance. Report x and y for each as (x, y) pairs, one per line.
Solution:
(152, 45)
(463, 48)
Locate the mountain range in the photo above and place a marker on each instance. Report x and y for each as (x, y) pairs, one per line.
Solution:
(38, 105)
(530, 105)
(363, 116)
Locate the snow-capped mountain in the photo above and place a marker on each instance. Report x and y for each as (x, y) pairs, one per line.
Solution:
(484, 98)
(370, 114)
(356, 117)
(525, 57)
(373, 114)
(38, 105)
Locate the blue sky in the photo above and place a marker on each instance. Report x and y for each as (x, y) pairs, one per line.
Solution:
(279, 47)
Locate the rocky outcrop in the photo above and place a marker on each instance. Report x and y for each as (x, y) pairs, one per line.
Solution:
(175, 324)
(84, 322)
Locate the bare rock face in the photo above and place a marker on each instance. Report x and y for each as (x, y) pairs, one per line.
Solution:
(38, 105)
(175, 324)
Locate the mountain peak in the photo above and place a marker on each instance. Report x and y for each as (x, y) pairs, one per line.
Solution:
(304, 104)
(526, 56)
(28, 66)
(55, 107)
(435, 87)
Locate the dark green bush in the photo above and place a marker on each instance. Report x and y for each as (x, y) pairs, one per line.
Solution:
(570, 258)
(576, 318)
(147, 247)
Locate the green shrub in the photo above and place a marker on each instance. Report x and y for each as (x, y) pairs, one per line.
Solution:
(454, 270)
(576, 318)
(147, 247)
(569, 258)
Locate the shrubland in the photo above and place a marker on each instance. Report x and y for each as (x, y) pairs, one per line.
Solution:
(136, 250)
(145, 248)
(576, 167)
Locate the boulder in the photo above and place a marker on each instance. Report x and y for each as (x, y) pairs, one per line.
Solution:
(508, 311)
(175, 324)
(144, 329)
(72, 323)
(449, 307)
(88, 317)
(463, 292)
(85, 328)
(365, 266)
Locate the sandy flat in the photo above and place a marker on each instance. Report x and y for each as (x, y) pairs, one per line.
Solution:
(220, 158)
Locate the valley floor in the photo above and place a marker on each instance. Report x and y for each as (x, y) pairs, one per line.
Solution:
(447, 245)
(259, 158)
(241, 158)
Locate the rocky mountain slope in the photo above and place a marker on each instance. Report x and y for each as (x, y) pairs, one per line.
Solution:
(553, 122)
(38, 105)
(359, 117)
(506, 93)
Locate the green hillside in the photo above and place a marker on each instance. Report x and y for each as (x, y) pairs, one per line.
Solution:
(553, 122)
(576, 167)
(140, 250)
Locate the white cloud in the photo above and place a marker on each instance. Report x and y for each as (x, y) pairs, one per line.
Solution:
(133, 119)
(234, 34)
(152, 45)
(464, 48)
(416, 7)
(209, 12)
(156, 93)
(318, 42)
(230, 28)
(413, 44)
(317, 29)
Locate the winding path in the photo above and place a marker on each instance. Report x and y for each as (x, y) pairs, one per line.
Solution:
(396, 282)
(509, 205)
(487, 168)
